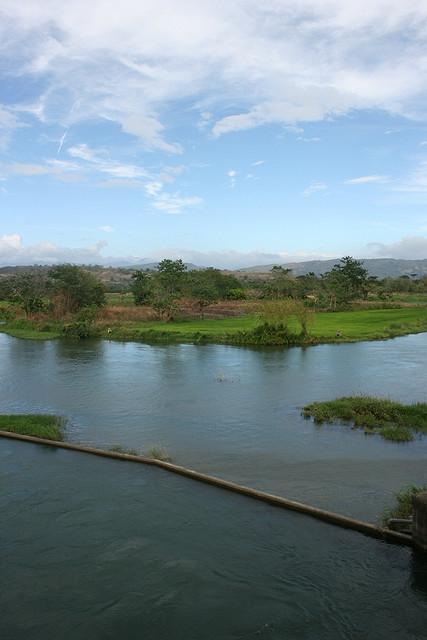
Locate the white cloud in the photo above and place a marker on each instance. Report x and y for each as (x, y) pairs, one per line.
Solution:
(153, 188)
(107, 228)
(302, 139)
(59, 169)
(101, 161)
(314, 187)
(232, 174)
(174, 203)
(98, 161)
(14, 252)
(257, 163)
(409, 248)
(368, 179)
(229, 259)
(8, 123)
(415, 182)
(277, 62)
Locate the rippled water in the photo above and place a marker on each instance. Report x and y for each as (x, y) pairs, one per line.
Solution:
(97, 549)
(232, 411)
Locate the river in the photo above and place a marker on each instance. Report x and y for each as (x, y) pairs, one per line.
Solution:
(94, 548)
(232, 411)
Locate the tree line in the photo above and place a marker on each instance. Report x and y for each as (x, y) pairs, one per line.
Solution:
(67, 289)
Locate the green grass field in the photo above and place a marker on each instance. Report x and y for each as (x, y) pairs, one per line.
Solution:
(350, 325)
(344, 326)
(42, 426)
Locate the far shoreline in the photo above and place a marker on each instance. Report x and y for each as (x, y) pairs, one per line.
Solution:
(329, 328)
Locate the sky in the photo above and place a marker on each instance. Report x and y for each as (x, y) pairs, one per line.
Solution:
(225, 133)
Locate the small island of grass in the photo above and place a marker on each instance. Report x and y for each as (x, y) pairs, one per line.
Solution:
(48, 427)
(391, 420)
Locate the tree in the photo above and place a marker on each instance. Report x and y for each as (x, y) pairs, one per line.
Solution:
(29, 290)
(141, 287)
(281, 285)
(74, 288)
(226, 284)
(346, 281)
(164, 304)
(202, 288)
(171, 275)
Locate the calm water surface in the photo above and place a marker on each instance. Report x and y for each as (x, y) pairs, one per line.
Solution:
(232, 411)
(97, 549)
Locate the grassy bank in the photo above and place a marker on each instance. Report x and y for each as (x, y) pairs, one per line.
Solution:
(391, 420)
(41, 426)
(345, 326)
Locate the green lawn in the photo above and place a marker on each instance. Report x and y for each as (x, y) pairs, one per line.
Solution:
(42, 426)
(352, 325)
(344, 326)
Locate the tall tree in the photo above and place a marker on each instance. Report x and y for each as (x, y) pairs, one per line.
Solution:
(74, 288)
(29, 290)
(203, 289)
(346, 281)
(141, 287)
(171, 275)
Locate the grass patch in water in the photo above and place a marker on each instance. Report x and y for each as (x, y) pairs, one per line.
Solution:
(403, 503)
(391, 420)
(159, 453)
(48, 427)
(117, 448)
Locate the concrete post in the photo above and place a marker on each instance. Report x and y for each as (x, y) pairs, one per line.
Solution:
(419, 528)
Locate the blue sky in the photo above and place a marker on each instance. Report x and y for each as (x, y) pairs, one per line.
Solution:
(226, 135)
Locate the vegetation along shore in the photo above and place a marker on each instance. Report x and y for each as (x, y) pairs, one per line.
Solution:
(171, 305)
(389, 419)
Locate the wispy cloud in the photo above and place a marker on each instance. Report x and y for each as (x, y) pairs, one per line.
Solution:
(175, 203)
(9, 122)
(232, 174)
(135, 66)
(314, 187)
(58, 169)
(106, 228)
(372, 179)
(416, 181)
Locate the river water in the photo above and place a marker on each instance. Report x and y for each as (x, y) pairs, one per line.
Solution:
(93, 548)
(99, 549)
(230, 411)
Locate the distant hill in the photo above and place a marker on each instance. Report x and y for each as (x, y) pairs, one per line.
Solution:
(152, 266)
(120, 276)
(380, 267)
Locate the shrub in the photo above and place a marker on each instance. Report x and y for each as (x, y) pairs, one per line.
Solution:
(403, 503)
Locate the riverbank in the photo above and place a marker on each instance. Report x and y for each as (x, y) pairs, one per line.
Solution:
(344, 326)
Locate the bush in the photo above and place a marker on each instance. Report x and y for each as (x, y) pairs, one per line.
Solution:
(403, 504)
(82, 326)
(268, 334)
(236, 294)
